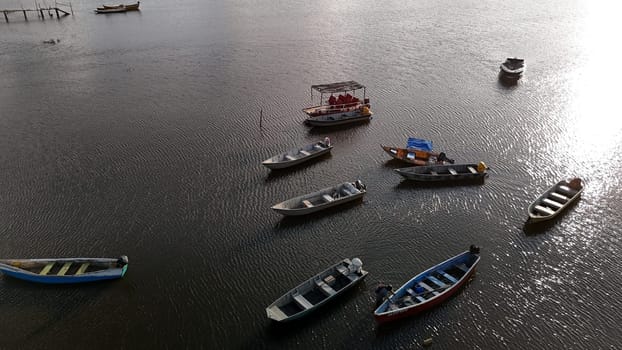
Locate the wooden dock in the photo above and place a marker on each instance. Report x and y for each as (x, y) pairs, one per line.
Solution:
(40, 11)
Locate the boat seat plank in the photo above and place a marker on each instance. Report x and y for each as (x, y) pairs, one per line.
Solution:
(305, 153)
(462, 267)
(82, 268)
(543, 210)
(325, 288)
(472, 170)
(558, 197)
(63, 270)
(448, 276)
(289, 157)
(433, 173)
(307, 203)
(453, 171)
(344, 271)
(412, 293)
(328, 198)
(565, 190)
(46, 269)
(318, 147)
(428, 288)
(437, 281)
(552, 203)
(302, 301)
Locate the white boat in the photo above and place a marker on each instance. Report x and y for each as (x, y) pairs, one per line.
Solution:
(361, 114)
(345, 108)
(299, 155)
(555, 200)
(317, 291)
(322, 199)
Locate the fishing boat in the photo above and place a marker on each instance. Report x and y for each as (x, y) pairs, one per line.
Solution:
(555, 200)
(110, 10)
(417, 156)
(343, 102)
(65, 270)
(322, 199)
(317, 291)
(429, 288)
(362, 114)
(118, 8)
(512, 68)
(440, 173)
(299, 155)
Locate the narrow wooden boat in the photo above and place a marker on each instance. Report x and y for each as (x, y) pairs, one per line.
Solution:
(512, 68)
(133, 7)
(361, 114)
(342, 103)
(112, 10)
(322, 199)
(317, 291)
(299, 155)
(65, 270)
(555, 200)
(429, 288)
(118, 8)
(440, 173)
(417, 156)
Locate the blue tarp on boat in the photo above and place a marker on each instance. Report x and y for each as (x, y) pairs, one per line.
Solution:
(419, 144)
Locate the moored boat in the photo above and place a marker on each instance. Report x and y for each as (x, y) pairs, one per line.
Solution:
(322, 199)
(343, 103)
(440, 173)
(417, 156)
(512, 68)
(362, 114)
(65, 270)
(299, 155)
(430, 287)
(317, 291)
(117, 8)
(554, 200)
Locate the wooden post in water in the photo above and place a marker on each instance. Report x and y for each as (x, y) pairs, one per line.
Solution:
(57, 15)
(260, 118)
(6, 17)
(26, 18)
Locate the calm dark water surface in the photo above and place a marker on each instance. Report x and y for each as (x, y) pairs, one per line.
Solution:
(139, 134)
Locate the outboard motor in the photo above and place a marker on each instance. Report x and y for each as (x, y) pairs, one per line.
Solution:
(122, 261)
(355, 265)
(359, 184)
(327, 141)
(473, 249)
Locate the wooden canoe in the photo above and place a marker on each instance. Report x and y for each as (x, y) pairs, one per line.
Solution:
(298, 155)
(317, 291)
(416, 156)
(322, 199)
(441, 173)
(430, 287)
(557, 198)
(65, 270)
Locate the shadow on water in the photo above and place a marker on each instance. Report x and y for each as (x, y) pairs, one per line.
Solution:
(406, 184)
(276, 174)
(507, 83)
(293, 221)
(396, 164)
(323, 130)
(535, 228)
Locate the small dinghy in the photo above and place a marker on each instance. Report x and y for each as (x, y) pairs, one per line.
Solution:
(417, 156)
(322, 199)
(317, 291)
(299, 155)
(65, 270)
(512, 68)
(429, 288)
(555, 200)
(441, 173)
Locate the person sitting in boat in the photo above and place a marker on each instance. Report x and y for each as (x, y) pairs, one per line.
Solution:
(575, 183)
(327, 141)
(340, 100)
(332, 100)
(382, 292)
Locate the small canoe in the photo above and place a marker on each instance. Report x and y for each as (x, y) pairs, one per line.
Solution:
(417, 156)
(111, 10)
(429, 288)
(512, 68)
(65, 270)
(317, 291)
(361, 114)
(441, 173)
(555, 200)
(322, 199)
(299, 155)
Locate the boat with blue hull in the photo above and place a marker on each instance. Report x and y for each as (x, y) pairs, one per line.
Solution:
(429, 288)
(65, 270)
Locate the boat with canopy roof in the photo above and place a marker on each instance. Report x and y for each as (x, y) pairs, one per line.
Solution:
(338, 104)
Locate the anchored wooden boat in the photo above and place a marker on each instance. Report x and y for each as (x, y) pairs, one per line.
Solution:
(344, 102)
(118, 8)
(512, 68)
(555, 200)
(65, 270)
(317, 291)
(111, 10)
(439, 173)
(429, 288)
(361, 114)
(322, 199)
(299, 155)
(417, 156)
